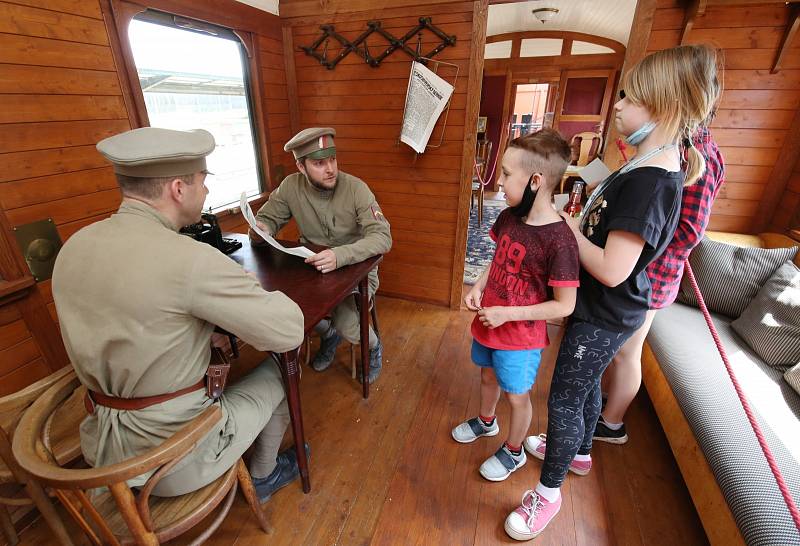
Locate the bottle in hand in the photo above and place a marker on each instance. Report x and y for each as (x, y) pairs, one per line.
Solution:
(573, 206)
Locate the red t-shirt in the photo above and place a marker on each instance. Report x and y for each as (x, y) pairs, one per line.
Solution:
(528, 261)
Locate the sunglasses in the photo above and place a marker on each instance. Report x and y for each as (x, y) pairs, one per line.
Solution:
(621, 94)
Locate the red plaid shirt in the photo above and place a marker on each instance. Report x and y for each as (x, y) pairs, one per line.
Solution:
(666, 271)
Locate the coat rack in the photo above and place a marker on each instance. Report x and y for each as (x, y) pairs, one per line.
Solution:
(328, 32)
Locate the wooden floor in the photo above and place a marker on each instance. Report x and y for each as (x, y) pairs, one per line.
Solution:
(386, 471)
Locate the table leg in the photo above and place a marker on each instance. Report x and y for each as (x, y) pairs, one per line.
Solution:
(363, 293)
(291, 374)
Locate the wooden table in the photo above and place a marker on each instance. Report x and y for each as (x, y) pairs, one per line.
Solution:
(316, 294)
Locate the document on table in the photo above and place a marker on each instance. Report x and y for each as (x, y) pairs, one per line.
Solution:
(247, 212)
(426, 98)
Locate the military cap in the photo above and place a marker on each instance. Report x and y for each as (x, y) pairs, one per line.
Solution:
(313, 143)
(151, 152)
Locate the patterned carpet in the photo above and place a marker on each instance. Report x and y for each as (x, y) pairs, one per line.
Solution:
(480, 247)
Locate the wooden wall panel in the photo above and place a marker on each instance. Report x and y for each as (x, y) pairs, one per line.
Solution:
(62, 91)
(276, 106)
(754, 124)
(787, 213)
(419, 194)
(61, 94)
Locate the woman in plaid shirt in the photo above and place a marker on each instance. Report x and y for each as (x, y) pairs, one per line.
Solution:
(624, 377)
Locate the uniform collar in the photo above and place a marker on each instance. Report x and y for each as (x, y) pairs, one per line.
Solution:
(139, 208)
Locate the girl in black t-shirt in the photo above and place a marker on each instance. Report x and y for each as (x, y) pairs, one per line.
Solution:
(629, 220)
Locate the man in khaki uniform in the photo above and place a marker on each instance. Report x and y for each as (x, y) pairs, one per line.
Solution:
(137, 303)
(332, 209)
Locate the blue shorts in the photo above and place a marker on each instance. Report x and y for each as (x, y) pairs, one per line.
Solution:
(515, 370)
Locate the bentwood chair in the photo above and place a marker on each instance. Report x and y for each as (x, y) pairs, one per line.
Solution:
(116, 514)
(64, 435)
(587, 150)
(373, 314)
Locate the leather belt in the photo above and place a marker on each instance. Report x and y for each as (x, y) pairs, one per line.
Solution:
(93, 398)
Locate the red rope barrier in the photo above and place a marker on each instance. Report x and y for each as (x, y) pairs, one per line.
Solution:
(787, 497)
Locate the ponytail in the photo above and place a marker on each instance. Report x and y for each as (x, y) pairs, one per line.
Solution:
(695, 165)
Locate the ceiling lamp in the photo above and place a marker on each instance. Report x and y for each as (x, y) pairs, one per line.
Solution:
(545, 14)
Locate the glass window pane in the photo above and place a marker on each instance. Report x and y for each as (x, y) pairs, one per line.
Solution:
(196, 81)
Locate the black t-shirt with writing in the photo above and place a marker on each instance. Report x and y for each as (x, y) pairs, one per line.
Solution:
(645, 201)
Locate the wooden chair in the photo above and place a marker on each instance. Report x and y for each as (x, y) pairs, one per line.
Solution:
(117, 515)
(65, 438)
(587, 150)
(484, 150)
(373, 314)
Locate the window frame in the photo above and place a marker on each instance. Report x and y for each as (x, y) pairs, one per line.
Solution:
(239, 23)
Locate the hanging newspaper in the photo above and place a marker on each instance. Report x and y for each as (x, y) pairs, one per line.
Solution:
(426, 98)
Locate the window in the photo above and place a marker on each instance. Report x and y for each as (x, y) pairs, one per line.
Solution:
(193, 76)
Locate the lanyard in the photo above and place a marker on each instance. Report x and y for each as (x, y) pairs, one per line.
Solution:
(607, 182)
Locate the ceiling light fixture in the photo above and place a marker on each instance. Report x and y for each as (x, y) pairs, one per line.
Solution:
(545, 14)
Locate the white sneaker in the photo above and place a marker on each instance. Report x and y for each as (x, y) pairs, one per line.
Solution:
(499, 466)
(471, 430)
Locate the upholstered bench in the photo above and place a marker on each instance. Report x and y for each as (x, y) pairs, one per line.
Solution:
(725, 471)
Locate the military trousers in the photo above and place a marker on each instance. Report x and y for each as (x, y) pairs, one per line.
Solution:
(253, 404)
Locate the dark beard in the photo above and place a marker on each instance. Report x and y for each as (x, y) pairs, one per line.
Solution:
(319, 185)
(522, 209)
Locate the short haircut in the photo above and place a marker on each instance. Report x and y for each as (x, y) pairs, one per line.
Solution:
(547, 153)
(148, 188)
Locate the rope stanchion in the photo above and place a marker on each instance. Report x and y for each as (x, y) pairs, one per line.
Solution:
(787, 497)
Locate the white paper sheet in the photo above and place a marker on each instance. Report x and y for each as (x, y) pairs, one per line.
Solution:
(247, 212)
(560, 200)
(425, 100)
(594, 173)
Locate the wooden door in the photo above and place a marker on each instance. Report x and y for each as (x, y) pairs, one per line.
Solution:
(585, 101)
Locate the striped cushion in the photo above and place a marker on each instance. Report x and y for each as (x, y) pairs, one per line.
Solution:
(730, 276)
(691, 364)
(793, 378)
(771, 323)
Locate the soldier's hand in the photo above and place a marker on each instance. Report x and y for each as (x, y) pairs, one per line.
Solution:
(255, 237)
(324, 261)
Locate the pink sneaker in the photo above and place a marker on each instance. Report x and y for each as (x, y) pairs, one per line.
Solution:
(536, 446)
(532, 516)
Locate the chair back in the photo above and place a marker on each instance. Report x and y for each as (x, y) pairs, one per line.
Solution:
(119, 515)
(588, 150)
(66, 448)
(12, 406)
(482, 154)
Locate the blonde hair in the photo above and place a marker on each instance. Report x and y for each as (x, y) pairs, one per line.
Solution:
(679, 86)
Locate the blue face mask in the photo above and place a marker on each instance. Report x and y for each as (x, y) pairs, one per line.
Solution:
(641, 133)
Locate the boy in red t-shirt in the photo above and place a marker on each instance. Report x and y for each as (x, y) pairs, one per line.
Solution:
(533, 277)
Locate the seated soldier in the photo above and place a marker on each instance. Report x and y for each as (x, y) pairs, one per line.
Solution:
(138, 302)
(336, 210)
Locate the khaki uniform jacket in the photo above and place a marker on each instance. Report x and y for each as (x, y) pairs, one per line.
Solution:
(137, 303)
(347, 219)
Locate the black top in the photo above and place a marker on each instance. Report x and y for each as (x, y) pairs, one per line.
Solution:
(645, 201)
